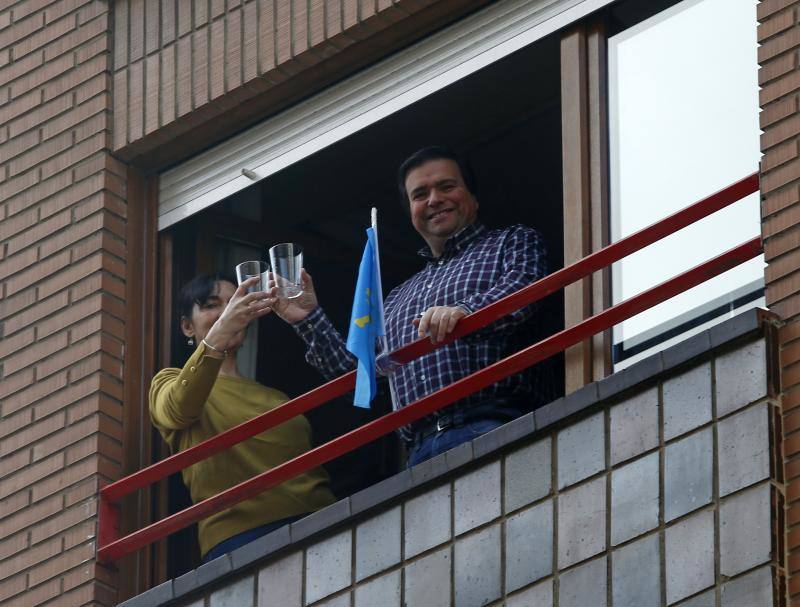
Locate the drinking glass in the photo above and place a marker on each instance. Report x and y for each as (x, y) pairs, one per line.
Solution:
(248, 269)
(287, 259)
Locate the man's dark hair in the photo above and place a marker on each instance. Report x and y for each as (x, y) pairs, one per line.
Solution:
(434, 152)
(198, 290)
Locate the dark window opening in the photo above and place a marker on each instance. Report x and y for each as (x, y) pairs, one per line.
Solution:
(506, 119)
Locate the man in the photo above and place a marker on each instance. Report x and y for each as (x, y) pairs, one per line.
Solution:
(467, 267)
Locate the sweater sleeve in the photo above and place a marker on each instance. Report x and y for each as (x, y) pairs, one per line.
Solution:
(177, 396)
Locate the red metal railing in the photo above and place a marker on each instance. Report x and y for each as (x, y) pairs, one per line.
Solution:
(112, 547)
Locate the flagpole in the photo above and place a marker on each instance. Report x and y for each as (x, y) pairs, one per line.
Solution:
(382, 338)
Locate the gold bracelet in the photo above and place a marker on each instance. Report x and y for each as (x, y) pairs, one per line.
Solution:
(217, 350)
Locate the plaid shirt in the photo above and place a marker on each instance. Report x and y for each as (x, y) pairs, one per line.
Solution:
(478, 267)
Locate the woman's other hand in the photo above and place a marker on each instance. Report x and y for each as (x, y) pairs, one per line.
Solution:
(296, 309)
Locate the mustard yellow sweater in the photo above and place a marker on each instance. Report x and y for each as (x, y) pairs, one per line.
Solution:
(193, 404)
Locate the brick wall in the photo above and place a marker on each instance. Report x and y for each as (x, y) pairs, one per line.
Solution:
(62, 293)
(662, 496)
(189, 72)
(779, 77)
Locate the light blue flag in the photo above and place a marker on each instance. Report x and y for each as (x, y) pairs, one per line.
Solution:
(366, 322)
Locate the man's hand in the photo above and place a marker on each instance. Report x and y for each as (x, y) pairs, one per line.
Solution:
(439, 322)
(296, 309)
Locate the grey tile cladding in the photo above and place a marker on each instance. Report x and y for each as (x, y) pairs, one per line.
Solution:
(528, 474)
(687, 401)
(741, 377)
(581, 450)
(634, 498)
(687, 474)
(529, 546)
(634, 426)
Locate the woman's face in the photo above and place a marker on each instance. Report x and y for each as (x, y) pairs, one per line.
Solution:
(204, 316)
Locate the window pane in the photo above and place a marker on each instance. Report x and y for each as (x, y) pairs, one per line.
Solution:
(683, 110)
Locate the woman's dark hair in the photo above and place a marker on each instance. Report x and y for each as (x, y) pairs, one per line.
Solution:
(434, 152)
(197, 291)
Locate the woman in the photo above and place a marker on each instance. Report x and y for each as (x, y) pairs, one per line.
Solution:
(208, 396)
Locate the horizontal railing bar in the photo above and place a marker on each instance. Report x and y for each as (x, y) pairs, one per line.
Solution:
(433, 402)
(479, 319)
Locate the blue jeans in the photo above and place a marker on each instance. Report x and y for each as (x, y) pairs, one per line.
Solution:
(245, 537)
(445, 440)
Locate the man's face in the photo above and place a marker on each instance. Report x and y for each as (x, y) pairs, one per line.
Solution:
(440, 202)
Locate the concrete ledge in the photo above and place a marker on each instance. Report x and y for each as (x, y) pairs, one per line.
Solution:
(386, 492)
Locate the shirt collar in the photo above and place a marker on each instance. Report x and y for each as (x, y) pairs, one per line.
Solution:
(456, 242)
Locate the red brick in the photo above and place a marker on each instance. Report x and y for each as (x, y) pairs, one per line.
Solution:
(91, 11)
(10, 424)
(782, 267)
(77, 152)
(36, 352)
(12, 586)
(39, 192)
(199, 69)
(778, 88)
(86, 490)
(99, 46)
(765, 8)
(58, 10)
(782, 243)
(20, 29)
(65, 478)
(9, 345)
(25, 478)
(47, 267)
(34, 313)
(15, 186)
(18, 262)
(64, 437)
(250, 41)
(41, 390)
(44, 592)
(19, 145)
(13, 545)
(781, 176)
(775, 24)
(25, 438)
(217, 60)
(74, 82)
(98, 362)
(71, 195)
(120, 109)
(63, 399)
(71, 275)
(41, 231)
(792, 445)
(14, 383)
(17, 223)
(30, 515)
(184, 82)
(779, 44)
(11, 505)
(41, 114)
(48, 71)
(778, 110)
(152, 91)
(63, 521)
(79, 534)
(68, 356)
(233, 50)
(779, 155)
(52, 31)
(76, 577)
(784, 220)
(95, 105)
(136, 109)
(20, 67)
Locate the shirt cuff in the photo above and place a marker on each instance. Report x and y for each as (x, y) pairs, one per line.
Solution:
(312, 325)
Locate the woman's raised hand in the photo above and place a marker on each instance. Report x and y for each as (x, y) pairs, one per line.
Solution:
(241, 310)
(297, 308)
